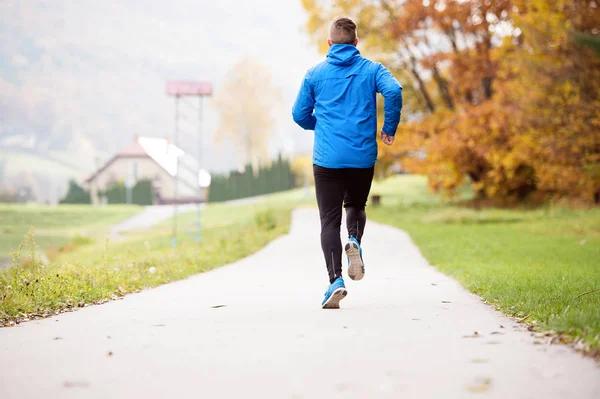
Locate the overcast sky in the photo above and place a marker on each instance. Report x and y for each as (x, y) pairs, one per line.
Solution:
(99, 67)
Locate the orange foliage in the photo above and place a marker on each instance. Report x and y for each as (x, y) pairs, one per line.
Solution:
(505, 97)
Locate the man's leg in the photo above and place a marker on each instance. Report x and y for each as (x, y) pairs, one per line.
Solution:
(329, 185)
(356, 219)
(358, 186)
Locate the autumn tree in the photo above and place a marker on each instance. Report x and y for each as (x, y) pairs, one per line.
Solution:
(247, 103)
(507, 90)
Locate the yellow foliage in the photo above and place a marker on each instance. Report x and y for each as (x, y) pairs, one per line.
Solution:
(303, 170)
(246, 103)
(512, 101)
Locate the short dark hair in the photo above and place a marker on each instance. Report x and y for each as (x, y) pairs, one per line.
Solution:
(342, 31)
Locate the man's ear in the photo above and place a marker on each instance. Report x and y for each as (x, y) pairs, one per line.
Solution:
(329, 42)
(356, 41)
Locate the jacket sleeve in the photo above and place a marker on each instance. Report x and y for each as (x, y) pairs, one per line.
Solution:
(391, 90)
(304, 106)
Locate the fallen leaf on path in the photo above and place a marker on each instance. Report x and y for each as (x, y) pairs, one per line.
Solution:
(218, 306)
(480, 385)
(109, 354)
(522, 319)
(475, 335)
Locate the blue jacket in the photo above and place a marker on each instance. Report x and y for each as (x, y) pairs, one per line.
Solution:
(342, 93)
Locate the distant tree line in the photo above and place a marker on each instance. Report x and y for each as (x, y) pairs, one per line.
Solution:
(76, 194)
(267, 179)
(141, 194)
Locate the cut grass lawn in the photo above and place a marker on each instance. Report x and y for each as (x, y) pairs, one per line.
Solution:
(101, 271)
(527, 263)
(56, 225)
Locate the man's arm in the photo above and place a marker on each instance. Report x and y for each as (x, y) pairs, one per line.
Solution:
(391, 90)
(304, 106)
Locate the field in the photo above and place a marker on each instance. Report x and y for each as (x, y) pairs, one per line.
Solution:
(542, 265)
(102, 270)
(56, 226)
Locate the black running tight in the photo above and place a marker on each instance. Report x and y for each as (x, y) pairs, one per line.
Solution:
(337, 187)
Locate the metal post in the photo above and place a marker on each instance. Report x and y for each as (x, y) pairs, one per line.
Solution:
(199, 159)
(175, 177)
(178, 89)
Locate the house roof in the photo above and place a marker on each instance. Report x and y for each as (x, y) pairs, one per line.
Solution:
(162, 152)
(135, 149)
(165, 154)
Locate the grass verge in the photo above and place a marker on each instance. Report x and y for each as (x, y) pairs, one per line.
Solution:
(56, 226)
(99, 272)
(541, 265)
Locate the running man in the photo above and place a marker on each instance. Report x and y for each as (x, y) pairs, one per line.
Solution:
(337, 100)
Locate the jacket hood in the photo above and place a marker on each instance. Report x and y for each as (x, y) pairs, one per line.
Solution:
(343, 54)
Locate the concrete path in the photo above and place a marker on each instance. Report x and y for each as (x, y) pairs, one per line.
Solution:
(154, 214)
(151, 216)
(255, 329)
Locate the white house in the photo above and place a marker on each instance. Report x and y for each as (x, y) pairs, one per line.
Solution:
(154, 159)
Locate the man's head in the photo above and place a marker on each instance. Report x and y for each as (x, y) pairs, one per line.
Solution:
(342, 31)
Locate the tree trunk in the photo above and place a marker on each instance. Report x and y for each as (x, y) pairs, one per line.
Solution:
(487, 87)
(443, 87)
(452, 37)
(423, 90)
(488, 79)
(421, 83)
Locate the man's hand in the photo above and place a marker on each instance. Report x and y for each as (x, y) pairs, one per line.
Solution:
(387, 139)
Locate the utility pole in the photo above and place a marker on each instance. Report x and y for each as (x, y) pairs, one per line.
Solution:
(199, 159)
(175, 177)
(180, 89)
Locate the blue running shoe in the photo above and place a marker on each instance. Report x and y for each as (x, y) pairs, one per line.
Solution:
(356, 267)
(335, 293)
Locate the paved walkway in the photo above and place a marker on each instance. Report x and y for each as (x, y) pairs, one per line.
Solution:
(151, 216)
(154, 214)
(254, 329)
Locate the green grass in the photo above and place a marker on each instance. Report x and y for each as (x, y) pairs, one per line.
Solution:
(103, 270)
(222, 214)
(56, 226)
(524, 262)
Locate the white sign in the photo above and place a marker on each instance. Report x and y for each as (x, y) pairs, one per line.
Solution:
(204, 178)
